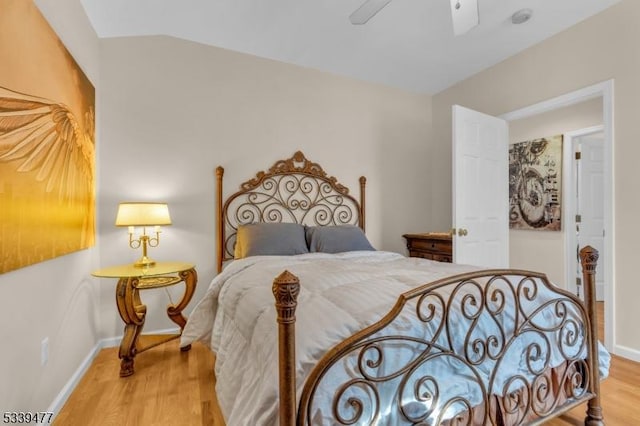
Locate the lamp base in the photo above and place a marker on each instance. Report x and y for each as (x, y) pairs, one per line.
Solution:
(144, 262)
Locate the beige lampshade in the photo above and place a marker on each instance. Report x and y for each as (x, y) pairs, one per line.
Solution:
(143, 214)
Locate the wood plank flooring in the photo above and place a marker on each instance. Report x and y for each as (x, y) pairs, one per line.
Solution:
(171, 387)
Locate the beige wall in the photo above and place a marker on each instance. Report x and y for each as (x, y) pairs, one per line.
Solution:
(548, 246)
(601, 48)
(57, 298)
(173, 110)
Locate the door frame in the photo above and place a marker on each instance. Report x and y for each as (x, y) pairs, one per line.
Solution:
(570, 208)
(605, 90)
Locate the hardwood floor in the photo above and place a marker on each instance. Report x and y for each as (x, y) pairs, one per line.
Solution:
(171, 387)
(620, 391)
(620, 397)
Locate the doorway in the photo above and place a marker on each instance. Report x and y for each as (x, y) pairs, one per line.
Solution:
(584, 218)
(604, 91)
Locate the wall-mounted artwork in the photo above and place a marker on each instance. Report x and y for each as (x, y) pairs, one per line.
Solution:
(47, 160)
(535, 171)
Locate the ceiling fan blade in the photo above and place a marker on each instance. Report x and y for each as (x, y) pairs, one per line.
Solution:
(367, 11)
(464, 14)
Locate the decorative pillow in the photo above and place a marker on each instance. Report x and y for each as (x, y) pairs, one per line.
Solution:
(270, 239)
(336, 239)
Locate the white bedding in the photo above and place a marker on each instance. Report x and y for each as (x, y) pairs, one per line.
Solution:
(340, 294)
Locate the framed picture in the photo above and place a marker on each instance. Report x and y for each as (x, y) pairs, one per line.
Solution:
(535, 172)
(47, 143)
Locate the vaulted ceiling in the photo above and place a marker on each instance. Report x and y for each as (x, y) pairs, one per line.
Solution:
(409, 44)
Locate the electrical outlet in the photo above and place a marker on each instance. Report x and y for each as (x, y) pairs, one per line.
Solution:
(44, 351)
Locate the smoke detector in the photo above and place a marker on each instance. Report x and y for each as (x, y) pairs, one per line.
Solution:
(521, 16)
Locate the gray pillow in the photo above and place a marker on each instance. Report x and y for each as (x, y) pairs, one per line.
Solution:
(270, 239)
(336, 239)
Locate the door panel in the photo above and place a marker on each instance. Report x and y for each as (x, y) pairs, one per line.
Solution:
(591, 201)
(480, 188)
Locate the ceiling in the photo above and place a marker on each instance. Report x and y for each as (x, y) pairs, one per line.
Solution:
(409, 44)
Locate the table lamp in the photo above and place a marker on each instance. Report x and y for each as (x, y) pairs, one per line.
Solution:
(143, 214)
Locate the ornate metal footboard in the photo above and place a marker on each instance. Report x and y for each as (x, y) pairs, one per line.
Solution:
(499, 347)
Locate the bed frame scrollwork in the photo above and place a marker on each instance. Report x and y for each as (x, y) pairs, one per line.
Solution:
(292, 190)
(298, 190)
(531, 393)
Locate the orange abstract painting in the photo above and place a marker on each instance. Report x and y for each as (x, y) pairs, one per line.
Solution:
(47, 143)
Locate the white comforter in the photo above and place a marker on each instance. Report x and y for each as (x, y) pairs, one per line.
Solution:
(340, 294)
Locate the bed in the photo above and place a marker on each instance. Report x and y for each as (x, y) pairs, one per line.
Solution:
(372, 337)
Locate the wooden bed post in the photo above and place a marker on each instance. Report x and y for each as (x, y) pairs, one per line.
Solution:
(219, 218)
(285, 289)
(589, 260)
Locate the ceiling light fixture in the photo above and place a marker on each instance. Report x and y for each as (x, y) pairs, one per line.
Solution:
(521, 16)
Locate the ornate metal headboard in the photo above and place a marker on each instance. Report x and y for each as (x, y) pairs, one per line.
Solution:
(292, 190)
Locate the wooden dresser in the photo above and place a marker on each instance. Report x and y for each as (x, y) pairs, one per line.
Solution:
(434, 246)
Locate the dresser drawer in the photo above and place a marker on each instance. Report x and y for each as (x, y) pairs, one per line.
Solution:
(442, 258)
(430, 246)
(421, 254)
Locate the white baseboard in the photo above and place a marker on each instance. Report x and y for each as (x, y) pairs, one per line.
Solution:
(115, 341)
(71, 384)
(625, 352)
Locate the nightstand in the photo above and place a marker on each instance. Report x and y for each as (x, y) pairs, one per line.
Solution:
(434, 246)
(131, 280)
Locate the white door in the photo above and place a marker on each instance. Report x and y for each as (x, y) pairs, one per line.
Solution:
(480, 189)
(590, 182)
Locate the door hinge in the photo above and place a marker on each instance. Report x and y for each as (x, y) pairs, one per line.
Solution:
(578, 155)
(578, 281)
(578, 218)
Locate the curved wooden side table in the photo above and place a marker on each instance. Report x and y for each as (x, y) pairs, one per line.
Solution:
(131, 280)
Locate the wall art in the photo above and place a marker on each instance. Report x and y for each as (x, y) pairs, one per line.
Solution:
(47, 143)
(535, 172)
